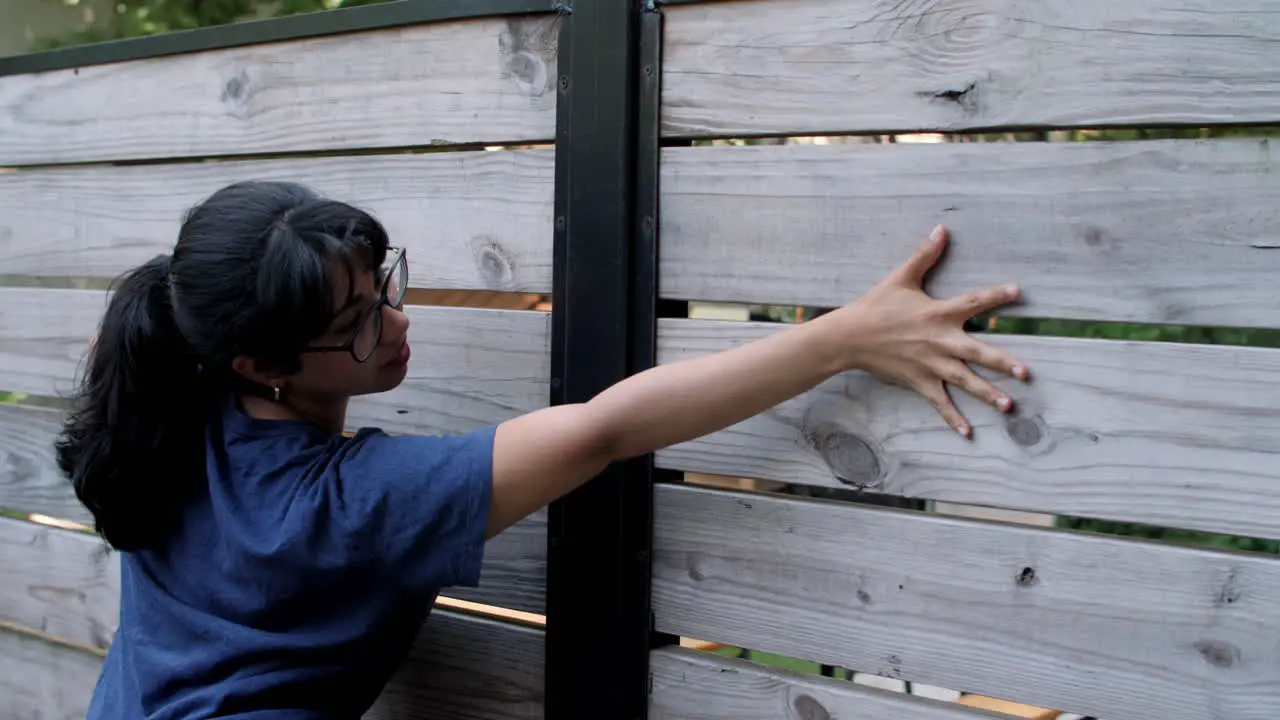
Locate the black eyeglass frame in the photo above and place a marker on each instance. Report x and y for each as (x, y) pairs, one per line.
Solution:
(399, 264)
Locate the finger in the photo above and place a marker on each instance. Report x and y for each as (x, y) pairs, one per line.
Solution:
(959, 375)
(924, 258)
(980, 301)
(992, 358)
(937, 396)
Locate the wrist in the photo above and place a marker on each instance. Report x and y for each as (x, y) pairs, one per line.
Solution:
(831, 343)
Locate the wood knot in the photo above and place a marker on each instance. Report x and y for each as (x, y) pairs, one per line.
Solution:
(1027, 577)
(237, 88)
(1229, 593)
(852, 460)
(1026, 431)
(494, 263)
(808, 708)
(1218, 654)
(528, 51)
(693, 564)
(864, 597)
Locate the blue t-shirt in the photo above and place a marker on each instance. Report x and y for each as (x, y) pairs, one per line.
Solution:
(300, 575)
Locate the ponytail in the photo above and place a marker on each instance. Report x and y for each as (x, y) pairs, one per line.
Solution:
(133, 443)
(251, 275)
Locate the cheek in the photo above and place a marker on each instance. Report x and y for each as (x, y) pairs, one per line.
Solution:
(329, 371)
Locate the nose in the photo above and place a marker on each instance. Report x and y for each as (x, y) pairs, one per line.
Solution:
(397, 321)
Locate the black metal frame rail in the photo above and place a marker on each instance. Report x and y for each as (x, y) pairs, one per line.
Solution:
(390, 14)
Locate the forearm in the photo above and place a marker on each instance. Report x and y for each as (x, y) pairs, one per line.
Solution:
(670, 404)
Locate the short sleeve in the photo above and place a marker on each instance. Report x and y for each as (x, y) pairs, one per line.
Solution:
(418, 506)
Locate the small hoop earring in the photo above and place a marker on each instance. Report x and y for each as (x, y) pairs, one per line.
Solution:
(276, 388)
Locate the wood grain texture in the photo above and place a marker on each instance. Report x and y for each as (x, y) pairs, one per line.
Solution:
(469, 220)
(44, 681)
(811, 66)
(470, 368)
(1161, 433)
(1084, 623)
(29, 476)
(477, 81)
(693, 685)
(467, 668)
(1153, 231)
(63, 583)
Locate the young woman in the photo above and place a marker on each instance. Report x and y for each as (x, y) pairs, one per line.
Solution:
(273, 568)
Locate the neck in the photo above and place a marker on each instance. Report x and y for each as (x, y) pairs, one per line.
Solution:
(329, 414)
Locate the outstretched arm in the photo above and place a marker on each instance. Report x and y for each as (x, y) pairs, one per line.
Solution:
(896, 332)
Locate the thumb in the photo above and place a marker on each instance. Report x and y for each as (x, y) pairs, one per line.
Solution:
(925, 257)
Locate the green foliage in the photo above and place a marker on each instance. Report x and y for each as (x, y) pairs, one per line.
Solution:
(135, 18)
(1172, 535)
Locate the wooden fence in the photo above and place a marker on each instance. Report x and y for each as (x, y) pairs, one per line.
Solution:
(106, 156)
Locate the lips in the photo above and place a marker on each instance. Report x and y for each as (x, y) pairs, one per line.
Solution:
(402, 358)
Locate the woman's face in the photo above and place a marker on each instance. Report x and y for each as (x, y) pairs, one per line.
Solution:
(330, 370)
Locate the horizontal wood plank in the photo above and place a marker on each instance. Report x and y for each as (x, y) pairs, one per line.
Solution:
(1083, 623)
(41, 680)
(812, 66)
(470, 368)
(467, 667)
(63, 583)
(29, 477)
(693, 685)
(476, 81)
(1160, 433)
(66, 585)
(1155, 231)
(468, 220)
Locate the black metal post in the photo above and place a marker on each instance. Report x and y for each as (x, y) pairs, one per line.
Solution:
(599, 627)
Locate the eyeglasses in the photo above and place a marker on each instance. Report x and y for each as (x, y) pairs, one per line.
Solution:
(364, 339)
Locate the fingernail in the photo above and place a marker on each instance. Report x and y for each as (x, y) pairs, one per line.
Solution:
(1019, 372)
(963, 429)
(1004, 403)
(1011, 290)
(938, 233)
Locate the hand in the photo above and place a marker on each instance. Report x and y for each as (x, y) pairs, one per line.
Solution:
(903, 336)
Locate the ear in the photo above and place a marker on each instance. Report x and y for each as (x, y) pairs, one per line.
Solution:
(248, 368)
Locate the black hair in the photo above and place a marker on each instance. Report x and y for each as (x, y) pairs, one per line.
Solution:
(251, 274)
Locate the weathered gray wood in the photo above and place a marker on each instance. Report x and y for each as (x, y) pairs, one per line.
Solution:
(63, 583)
(469, 220)
(1160, 433)
(44, 681)
(461, 667)
(804, 67)
(477, 81)
(470, 368)
(1155, 231)
(29, 477)
(1087, 623)
(693, 685)
(467, 667)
